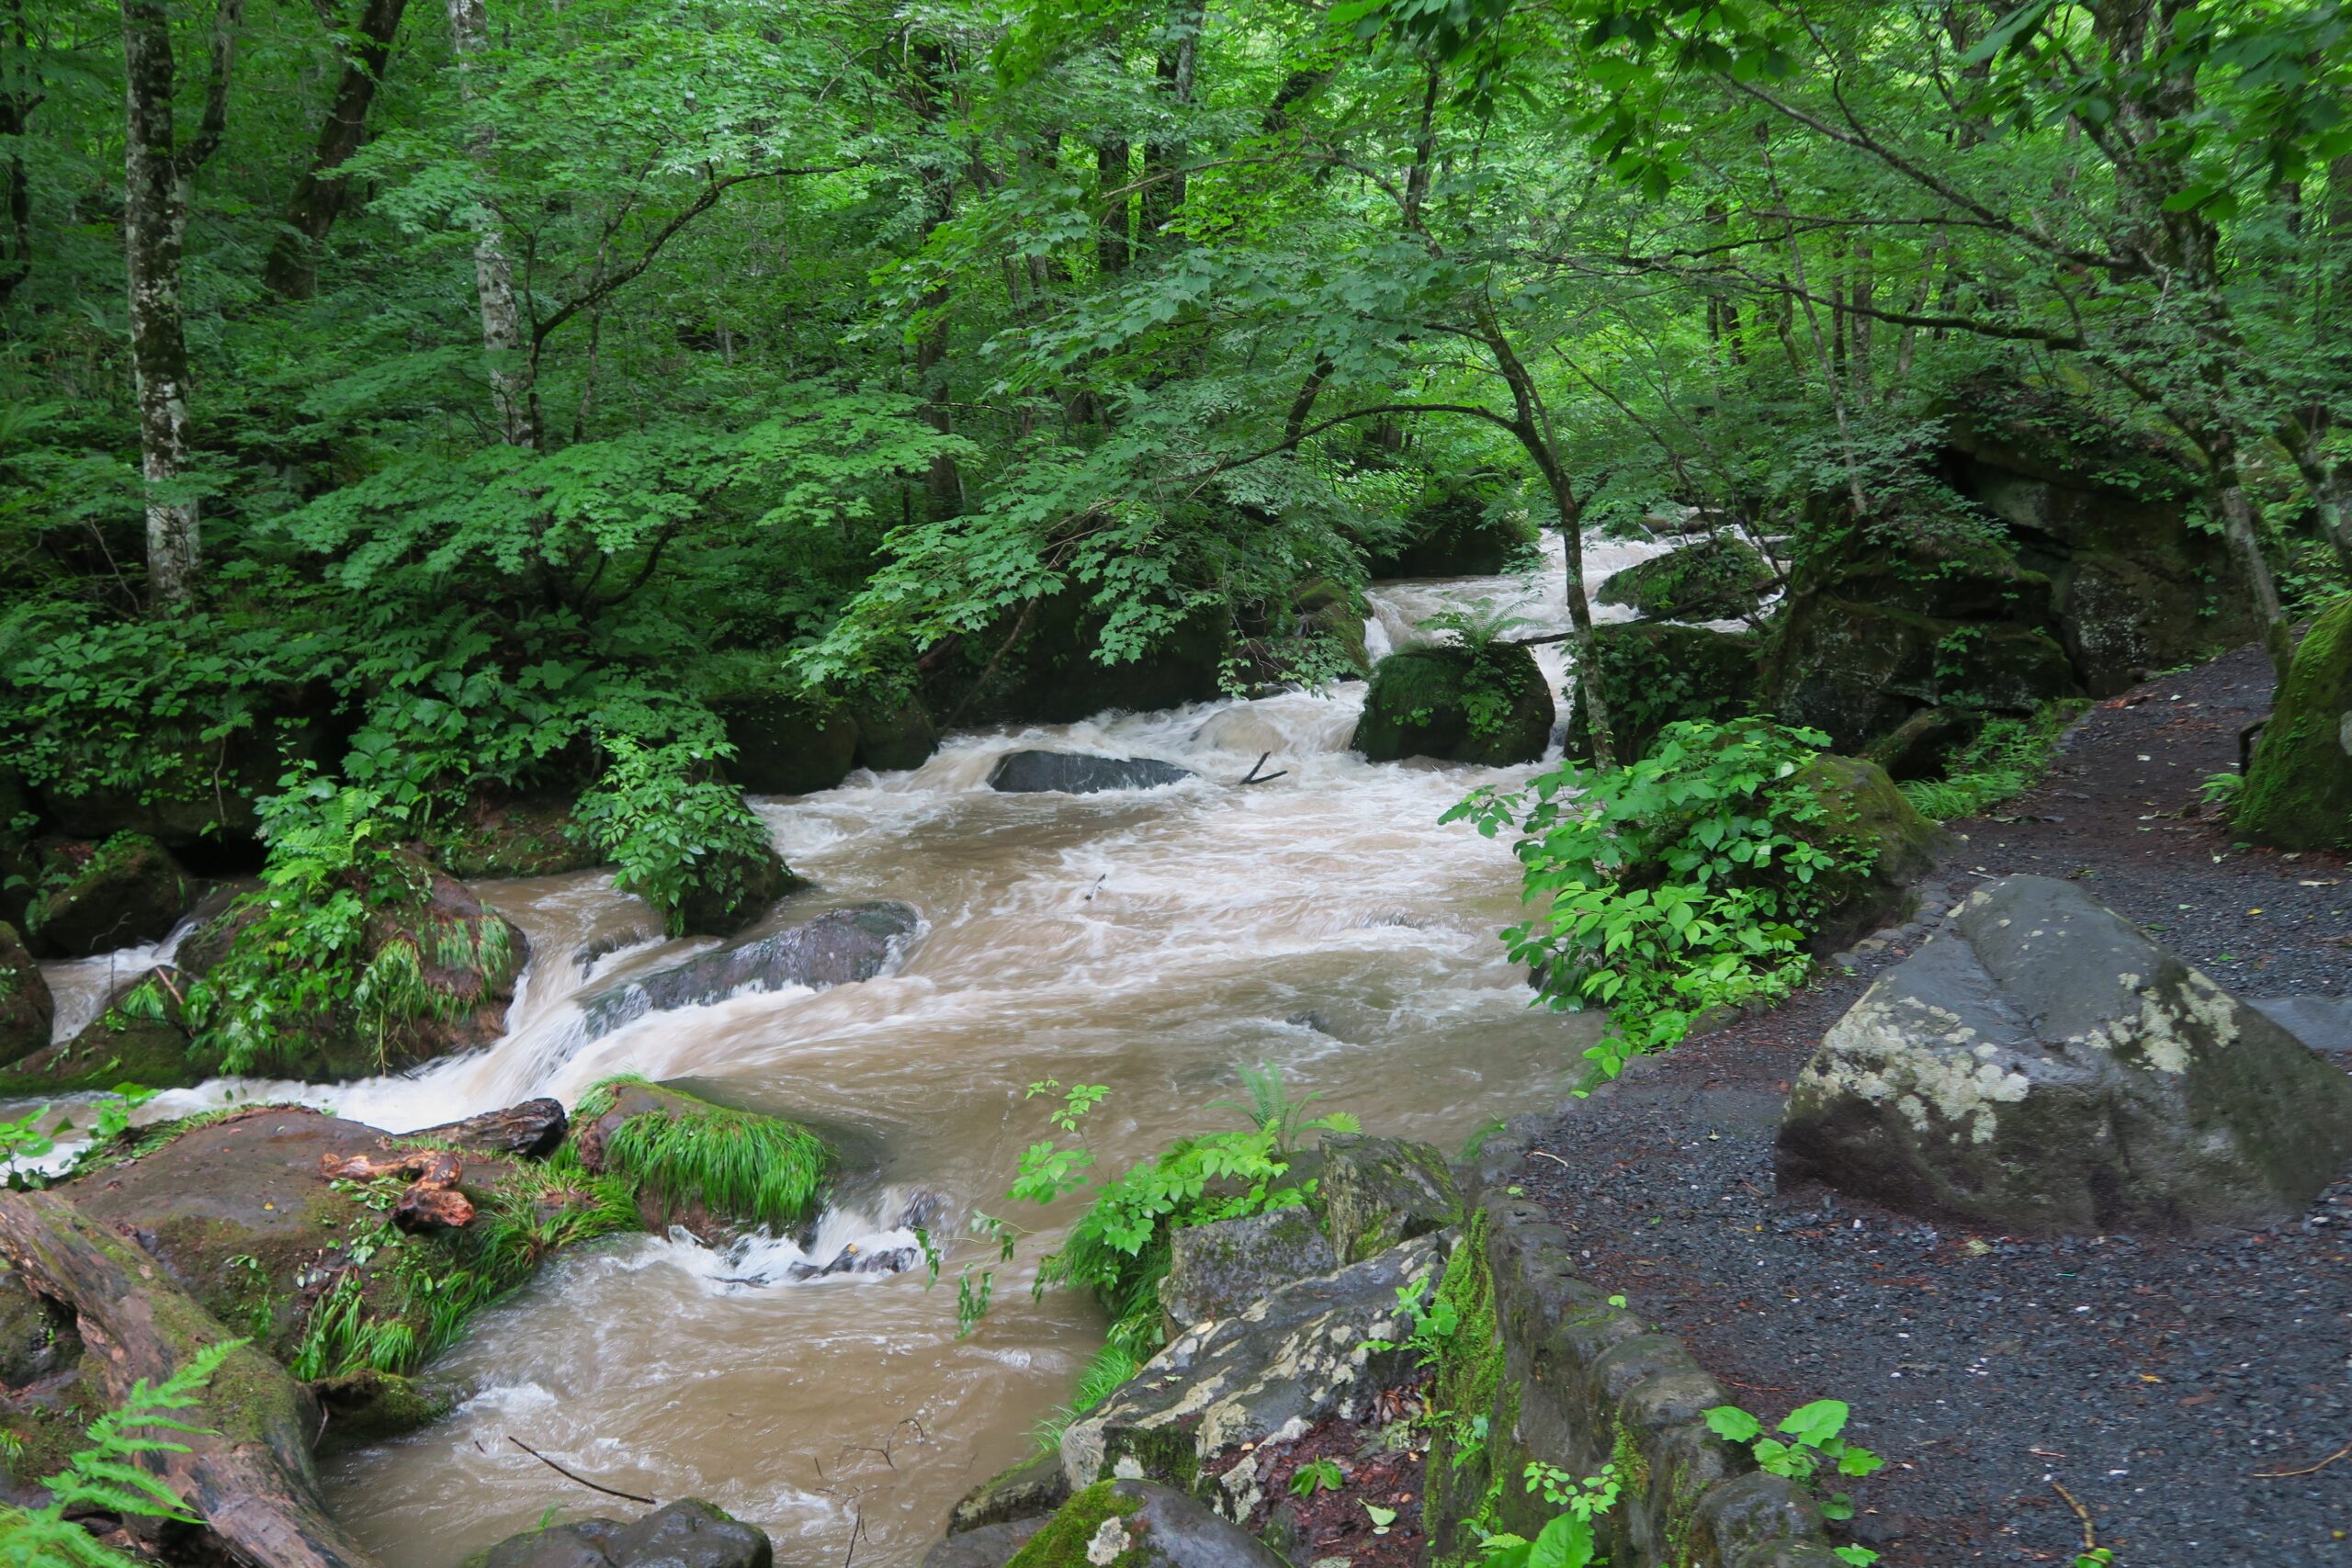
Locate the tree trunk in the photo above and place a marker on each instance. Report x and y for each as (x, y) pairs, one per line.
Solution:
(20, 94)
(1115, 242)
(510, 383)
(157, 174)
(291, 272)
(2330, 484)
(1163, 156)
(943, 481)
(2226, 493)
(251, 1479)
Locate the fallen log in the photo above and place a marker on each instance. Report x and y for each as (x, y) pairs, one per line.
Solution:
(250, 1480)
(532, 1129)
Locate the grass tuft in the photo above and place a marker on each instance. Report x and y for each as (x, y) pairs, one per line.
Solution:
(2007, 758)
(754, 1168)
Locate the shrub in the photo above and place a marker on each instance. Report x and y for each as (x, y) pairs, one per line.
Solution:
(681, 836)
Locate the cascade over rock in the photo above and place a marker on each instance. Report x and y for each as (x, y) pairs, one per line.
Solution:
(2039, 1064)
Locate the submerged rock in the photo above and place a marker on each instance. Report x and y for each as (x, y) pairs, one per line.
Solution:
(98, 897)
(689, 1533)
(27, 1009)
(1073, 773)
(1215, 1270)
(1491, 707)
(1299, 1354)
(2040, 1065)
(1135, 1524)
(839, 947)
(2299, 787)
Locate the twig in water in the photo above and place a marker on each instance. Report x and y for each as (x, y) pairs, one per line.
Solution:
(2307, 1470)
(571, 1475)
(1096, 888)
(1253, 778)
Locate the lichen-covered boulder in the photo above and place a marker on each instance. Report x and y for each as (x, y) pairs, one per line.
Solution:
(689, 1533)
(1375, 1192)
(892, 737)
(2299, 787)
(1656, 674)
(839, 947)
(98, 897)
(1490, 707)
(27, 1009)
(1135, 1524)
(1871, 826)
(1708, 580)
(1215, 1270)
(2040, 1065)
(1299, 1354)
(1078, 773)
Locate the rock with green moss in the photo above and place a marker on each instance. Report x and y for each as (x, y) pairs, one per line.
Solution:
(1336, 613)
(139, 1037)
(1883, 844)
(1654, 674)
(1856, 670)
(1490, 705)
(98, 897)
(1136, 1524)
(2040, 1065)
(1217, 1270)
(1306, 1351)
(691, 1162)
(27, 1009)
(1042, 663)
(787, 742)
(689, 1533)
(732, 888)
(894, 736)
(1713, 578)
(1377, 1192)
(2298, 788)
(519, 838)
(1456, 530)
(1034, 1486)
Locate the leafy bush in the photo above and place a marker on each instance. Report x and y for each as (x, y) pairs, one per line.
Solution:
(677, 833)
(1680, 883)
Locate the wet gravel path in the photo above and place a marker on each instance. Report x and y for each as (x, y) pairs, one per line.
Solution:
(2162, 1382)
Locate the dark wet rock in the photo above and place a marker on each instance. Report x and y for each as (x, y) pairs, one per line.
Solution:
(2299, 787)
(1920, 746)
(139, 1037)
(1375, 1192)
(891, 740)
(2324, 1023)
(1865, 815)
(836, 948)
(521, 838)
(1654, 674)
(1031, 1489)
(787, 743)
(1712, 579)
(2040, 1065)
(97, 897)
(989, 1546)
(528, 1131)
(37, 1336)
(1856, 669)
(1216, 1270)
(27, 1009)
(689, 1533)
(1456, 530)
(1049, 673)
(1300, 1354)
(857, 1259)
(1423, 700)
(1073, 773)
(1136, 1524)
(732, 890)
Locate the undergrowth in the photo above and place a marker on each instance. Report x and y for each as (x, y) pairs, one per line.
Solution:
(2008, 756)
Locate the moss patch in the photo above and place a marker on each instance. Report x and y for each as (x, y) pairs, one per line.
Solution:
(1075, 1537)
(2299, 790)
(1491, 707)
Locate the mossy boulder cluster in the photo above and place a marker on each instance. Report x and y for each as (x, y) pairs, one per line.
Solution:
(1488, 705)
(1656, 673)
(1715, 578)
(2299, 789)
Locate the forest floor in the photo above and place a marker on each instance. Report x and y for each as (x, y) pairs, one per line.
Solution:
(2193, 1394)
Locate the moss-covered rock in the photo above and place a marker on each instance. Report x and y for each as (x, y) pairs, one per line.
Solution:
(521, 838)
(26, 1009)
(2299, 787)
(1866, 822)
(1489, 706)
(1038, 664)
(1219, 1268)
(1654, 675)
(139, 1037)
(1713, 578)
(1456, 530)
(787, 742)
(735, 887)
(98, 897)
(892, 737)
(1336, 613)
(1857, 670)
(1034, 1486)
(1136, 1524)
(699, 1164)
(1377, 1192)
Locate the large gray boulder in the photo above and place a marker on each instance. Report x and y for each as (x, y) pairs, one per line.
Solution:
(1074, 773)
(1375, 1192)
(1135, 1524)
(689, 1533)
(2040, 1065)
(1291, 1358)
(838, 948)
(1215, 1270)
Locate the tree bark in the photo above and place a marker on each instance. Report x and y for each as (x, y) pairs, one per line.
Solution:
(20, 94)
(2226, 493)
(157, 176)
(501, 317)
(1164, 154)
(252, 1478)
(943, 480)
(292, 272)
(1114, 242)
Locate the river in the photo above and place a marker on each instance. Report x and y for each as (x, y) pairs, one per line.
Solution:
(1323, 922)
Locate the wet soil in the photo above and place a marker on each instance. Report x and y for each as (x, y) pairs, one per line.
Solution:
(1351, 1468)
(2194, 1397)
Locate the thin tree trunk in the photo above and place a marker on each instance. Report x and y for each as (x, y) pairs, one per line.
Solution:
(1114, 242)
(20, 94)
(2226, 493)
(943, 482)
(157, 176)
(291, 272)
(2330, 484)
(501, 316)
(1163, 155)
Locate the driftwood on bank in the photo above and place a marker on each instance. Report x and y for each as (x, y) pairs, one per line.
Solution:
(252, 1481)
(532, 1129)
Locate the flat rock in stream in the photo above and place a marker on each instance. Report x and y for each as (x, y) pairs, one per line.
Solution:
(1289, 1359)
(689, 1533)
(2040, 1065)
(1073, 773)
(838, 948)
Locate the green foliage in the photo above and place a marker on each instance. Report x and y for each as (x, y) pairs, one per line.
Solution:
(1317, 1475)
(676, 832)
(106, 1477)
(1813, 1441)
(755, 1168)
(2006, 758)
(1674, 885)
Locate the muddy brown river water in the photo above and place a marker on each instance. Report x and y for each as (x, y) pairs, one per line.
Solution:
(1323, 922)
